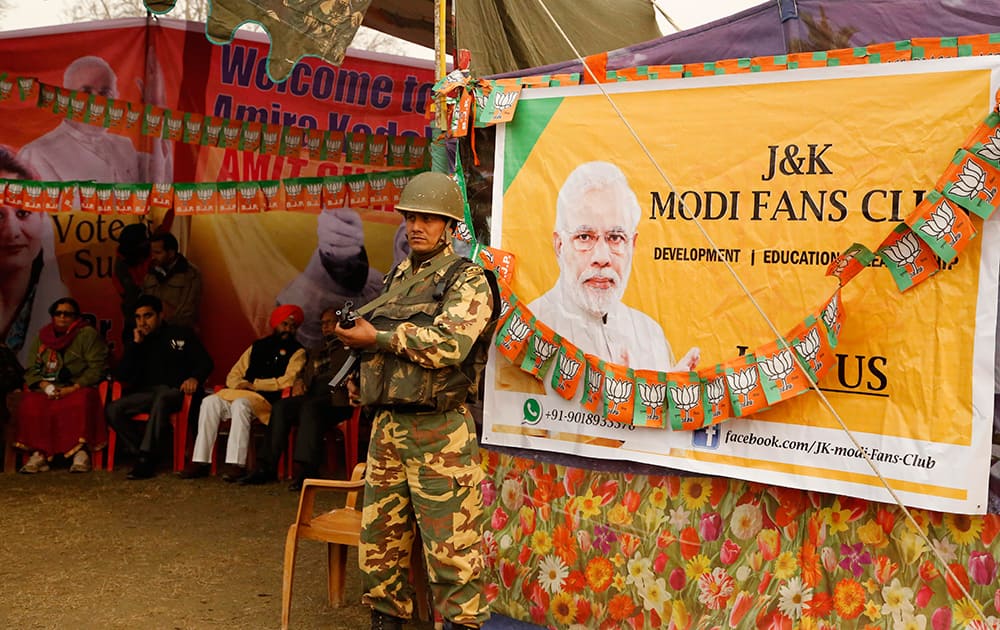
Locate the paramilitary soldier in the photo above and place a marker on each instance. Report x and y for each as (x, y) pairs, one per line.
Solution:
(422, 355)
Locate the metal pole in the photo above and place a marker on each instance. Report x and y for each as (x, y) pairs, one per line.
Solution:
(440, 58)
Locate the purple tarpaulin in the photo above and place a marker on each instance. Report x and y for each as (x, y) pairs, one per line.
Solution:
(785, 26)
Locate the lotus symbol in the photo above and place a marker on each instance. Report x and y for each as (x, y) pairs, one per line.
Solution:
(153, 119)
(488, 255)
(808, 348)
(842, 263)
(505, 99)
(25, 83)
(357, 186)
(543, 350)
(972, 181)
(333, 146)
(252, 135)
(184, 195)
(686, 397)
(62, 99)
(213, 130)
(78, 106)
(378, 183)
(5, 88)
(939, 225)
(357, 147)
(831, 313)
(132, 117)
(293, 188)
(482, 97)
(314, 189)
(568, 367)
(462, 231)
(247, 192)
(293, 141)
(715, 390)
(743, 382)
(400, 182)
(122, 194)
(904, 253)
(173, 125)
(142, 194)
(227, 193)
(991, 148)
(231, 133)
(414, 151)
(52, 191)
(617, 391)
(397, 150)
(193, 127)
(205, 193)
(32, 190)
(116, 114)
(333, 188)
(162, 188)
(87, 190)
(270, 137)
(270, 190)
(516, 332)
(504, 307)
(651, 396)
(595, 380)
(96, 109)
(778, 367)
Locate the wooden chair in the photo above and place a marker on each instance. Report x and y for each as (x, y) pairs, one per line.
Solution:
(340, 528)
(179, 420)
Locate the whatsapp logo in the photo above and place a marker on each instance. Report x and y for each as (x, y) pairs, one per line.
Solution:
(532, 411)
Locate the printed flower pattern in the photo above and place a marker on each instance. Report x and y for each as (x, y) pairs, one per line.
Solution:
(579, 549)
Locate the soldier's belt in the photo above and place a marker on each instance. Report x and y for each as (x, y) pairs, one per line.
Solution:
(405, 408)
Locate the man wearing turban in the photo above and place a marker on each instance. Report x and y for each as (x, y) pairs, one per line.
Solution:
(266, 368)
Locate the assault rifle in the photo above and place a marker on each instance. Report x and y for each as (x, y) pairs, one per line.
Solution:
(347, 317)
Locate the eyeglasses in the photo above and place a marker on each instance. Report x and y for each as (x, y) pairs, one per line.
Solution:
(65, 314)
(585, 240)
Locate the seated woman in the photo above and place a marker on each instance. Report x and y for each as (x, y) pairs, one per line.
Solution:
(61, 412)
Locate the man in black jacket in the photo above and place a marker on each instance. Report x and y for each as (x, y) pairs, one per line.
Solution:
(161, 364)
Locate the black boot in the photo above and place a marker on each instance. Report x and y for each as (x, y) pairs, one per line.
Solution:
(259, 477)
(144, 468)
(382, 621)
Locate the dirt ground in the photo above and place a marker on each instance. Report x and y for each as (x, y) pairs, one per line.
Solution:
(96, 551)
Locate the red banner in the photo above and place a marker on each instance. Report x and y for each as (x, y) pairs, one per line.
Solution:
(171, 78)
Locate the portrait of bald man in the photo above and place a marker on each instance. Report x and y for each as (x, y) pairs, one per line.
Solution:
(597, 216)
(80, 151)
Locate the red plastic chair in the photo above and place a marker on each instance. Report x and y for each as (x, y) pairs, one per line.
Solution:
(178, 419)
(13, 458)
(251, 448)
(350, 428)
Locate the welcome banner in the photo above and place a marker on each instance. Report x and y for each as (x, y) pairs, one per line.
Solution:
(248, 262)
(783, 172)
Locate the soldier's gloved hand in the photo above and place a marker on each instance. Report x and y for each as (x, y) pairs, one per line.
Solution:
(340, 233)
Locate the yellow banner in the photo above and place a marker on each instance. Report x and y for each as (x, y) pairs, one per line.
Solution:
(767, 179)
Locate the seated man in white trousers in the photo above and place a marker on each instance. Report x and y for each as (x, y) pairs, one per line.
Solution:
(269, 366)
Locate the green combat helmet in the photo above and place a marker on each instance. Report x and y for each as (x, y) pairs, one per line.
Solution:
(433, 193)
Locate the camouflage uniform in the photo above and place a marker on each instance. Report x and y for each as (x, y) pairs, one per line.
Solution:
(423, 459)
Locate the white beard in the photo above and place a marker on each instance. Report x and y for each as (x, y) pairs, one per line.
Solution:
(597, 302)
